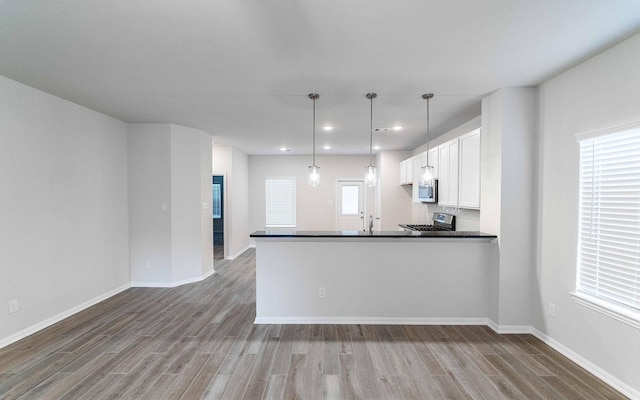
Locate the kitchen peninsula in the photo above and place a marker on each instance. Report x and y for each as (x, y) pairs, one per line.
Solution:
(391, 277)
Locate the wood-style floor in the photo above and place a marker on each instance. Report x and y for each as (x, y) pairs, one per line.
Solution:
(198, 341)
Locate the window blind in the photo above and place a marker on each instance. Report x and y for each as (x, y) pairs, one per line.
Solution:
(281, 202)
(609, 233)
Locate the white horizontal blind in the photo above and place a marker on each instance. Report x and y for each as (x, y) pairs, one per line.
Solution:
(609, 241)
(281, 202)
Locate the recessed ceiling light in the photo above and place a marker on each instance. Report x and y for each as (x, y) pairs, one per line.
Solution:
(327, 128)
(327, 147)
(283, 149)
(397, 128)
(376, 147)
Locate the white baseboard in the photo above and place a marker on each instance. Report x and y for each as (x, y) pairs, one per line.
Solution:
(59, 317)
(208, 274)
(371, 321)
(236, 255)
(588, 365)
(508, 329)
(175, 283)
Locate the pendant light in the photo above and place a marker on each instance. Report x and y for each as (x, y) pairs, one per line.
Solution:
(314, 170)
(371, 174)
(427, 177)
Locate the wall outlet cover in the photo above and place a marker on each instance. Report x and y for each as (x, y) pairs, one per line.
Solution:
(13, 306)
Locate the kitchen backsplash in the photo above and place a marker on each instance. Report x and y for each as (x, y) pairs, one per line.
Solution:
(466, 220)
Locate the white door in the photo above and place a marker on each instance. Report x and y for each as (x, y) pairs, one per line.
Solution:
(350, 205)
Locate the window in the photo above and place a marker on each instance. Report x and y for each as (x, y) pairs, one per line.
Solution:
(216, 204)
(350, 199)
(609, 233)
(281, 202)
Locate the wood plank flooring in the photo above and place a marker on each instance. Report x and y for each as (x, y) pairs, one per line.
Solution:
(198, 341)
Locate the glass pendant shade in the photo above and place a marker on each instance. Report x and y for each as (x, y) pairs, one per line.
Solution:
(314, 176)
(370, 175)
(427, 177)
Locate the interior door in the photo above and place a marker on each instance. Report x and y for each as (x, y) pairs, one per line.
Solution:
(350, 206)
(217, 210)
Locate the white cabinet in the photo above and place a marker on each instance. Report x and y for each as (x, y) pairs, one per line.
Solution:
(456, 165)
(469, 192)
(448, 173)
(433, 161)
(406, 172)
(417, 171)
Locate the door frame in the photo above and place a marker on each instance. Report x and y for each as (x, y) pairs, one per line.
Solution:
(225, 223)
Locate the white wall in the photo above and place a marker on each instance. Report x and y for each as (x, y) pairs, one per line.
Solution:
(507, 196)
(206, 193)
(239, 203)
(150, 188)
(234, 165)
(601, 92)
(315, 206)
(392, 195)
(63, 207)
(170, 200)
(452, 134)
(191, 223)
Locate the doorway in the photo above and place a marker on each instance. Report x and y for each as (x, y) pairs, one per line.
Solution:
(350, 210)
(217, 211)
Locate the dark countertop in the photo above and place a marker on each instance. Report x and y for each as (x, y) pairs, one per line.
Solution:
(375, 234)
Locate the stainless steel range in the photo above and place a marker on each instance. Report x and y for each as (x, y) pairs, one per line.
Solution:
(441, 222)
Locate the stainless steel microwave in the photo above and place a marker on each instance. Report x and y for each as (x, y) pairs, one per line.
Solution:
(428, 193)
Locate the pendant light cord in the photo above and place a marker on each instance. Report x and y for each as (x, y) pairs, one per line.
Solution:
(427, 131)
(314, 131)
(371, 133)
(427, 96)
(371, 96)
(314, 97)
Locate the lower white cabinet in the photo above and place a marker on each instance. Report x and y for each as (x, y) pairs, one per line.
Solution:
(469, 192)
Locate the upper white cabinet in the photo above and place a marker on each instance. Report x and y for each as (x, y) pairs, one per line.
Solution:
(448, 173)
(406, 171)
(456, 165)
(469, 192)
(433, 161)
(418, 163)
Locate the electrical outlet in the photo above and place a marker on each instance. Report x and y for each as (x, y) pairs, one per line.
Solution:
(552, 310)
(322, 293)
(147, 264)
(13, 306)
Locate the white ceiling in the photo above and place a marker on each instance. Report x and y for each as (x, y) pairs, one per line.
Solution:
(242, 69)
